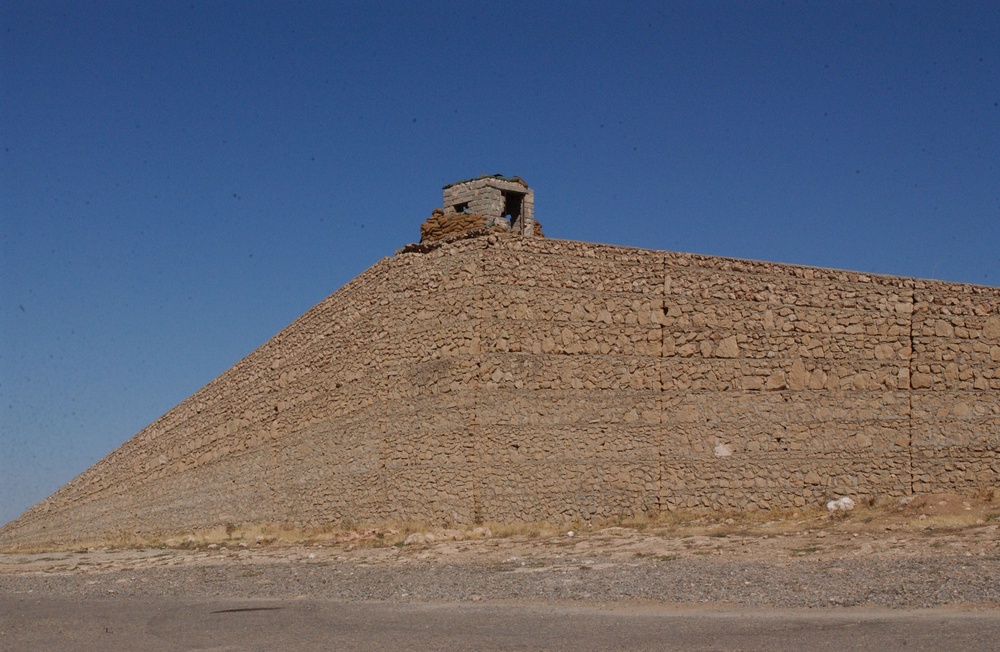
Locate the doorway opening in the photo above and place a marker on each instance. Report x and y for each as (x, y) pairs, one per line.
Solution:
(512, 204)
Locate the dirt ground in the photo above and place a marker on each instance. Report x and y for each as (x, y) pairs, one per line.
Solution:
(926, 527)
(924, 574)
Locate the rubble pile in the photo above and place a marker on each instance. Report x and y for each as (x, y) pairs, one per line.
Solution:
(441, 226)
(445, 226)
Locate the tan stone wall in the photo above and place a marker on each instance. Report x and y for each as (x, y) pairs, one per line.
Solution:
(506, 379)
(955, 375)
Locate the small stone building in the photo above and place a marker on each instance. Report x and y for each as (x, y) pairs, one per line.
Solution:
(484, 204)
(507, 199)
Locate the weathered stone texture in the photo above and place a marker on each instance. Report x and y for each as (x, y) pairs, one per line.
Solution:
(955, 375)
(440, 226)
(504, 378)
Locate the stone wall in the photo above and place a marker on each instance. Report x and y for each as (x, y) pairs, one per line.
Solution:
(487, 195)
(955, 376)
(506, 379)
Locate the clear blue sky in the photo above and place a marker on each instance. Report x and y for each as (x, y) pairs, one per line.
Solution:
(180, 180)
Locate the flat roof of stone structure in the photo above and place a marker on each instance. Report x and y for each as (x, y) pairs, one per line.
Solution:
(499, 177)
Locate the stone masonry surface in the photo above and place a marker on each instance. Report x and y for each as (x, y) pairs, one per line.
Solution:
(493, 197)
(501, 378)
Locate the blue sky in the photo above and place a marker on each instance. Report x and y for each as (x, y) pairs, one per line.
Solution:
(180, 180)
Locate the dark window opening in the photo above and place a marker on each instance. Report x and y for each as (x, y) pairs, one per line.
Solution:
(512, 202)
(462, 208)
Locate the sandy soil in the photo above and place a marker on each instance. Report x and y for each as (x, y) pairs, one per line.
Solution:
(930, 551)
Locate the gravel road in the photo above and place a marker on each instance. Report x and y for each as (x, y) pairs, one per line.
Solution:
(898, 582)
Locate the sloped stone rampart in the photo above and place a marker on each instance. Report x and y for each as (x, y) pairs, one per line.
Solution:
(506, 379)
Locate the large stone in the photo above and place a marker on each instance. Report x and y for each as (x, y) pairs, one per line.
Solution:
(776, 381)
(797, 375)
(943, 329)
(728, 348)
(884, 352)
(991, 330)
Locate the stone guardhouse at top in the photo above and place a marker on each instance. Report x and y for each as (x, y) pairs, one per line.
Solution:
(505, 201)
